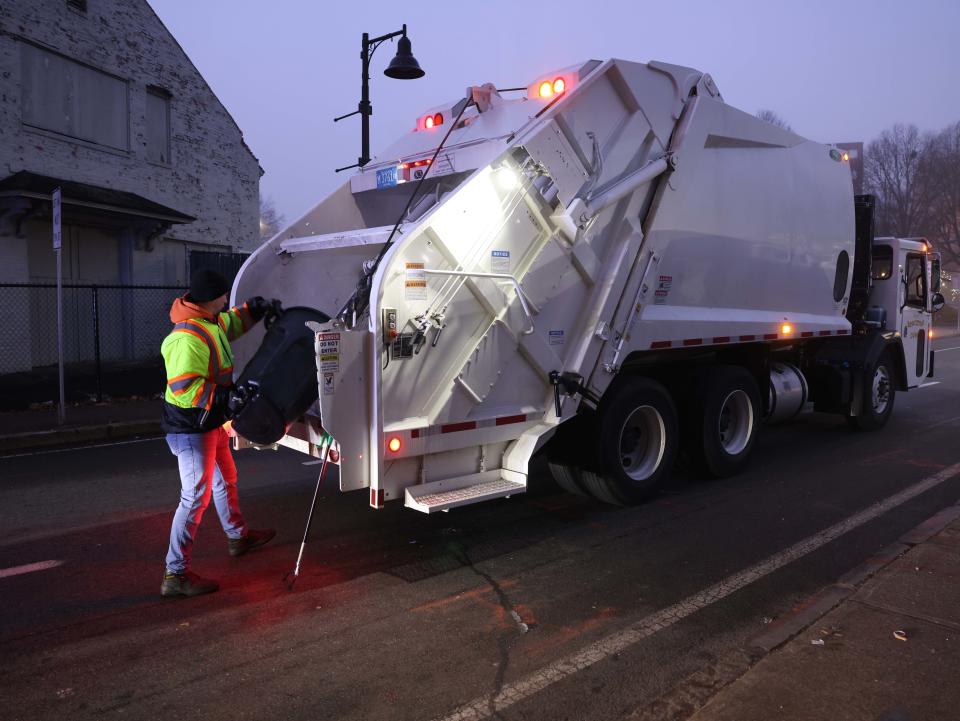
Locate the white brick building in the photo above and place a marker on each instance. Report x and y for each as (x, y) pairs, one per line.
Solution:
(97, 97)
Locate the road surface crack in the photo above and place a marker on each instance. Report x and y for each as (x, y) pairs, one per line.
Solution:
(503, 643)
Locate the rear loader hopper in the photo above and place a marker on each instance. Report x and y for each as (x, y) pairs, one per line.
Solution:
(615, 253)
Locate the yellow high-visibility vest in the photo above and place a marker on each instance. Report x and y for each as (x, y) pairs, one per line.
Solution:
(198, 357)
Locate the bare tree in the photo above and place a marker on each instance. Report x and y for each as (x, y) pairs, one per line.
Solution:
(774, 119)
(271, 220)
(897, 170)
(943, 160)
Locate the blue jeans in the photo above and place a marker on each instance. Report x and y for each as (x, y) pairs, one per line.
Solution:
(206, 466)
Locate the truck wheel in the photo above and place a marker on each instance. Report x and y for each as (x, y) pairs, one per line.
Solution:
(570, 449)
(879, 394)
(722, 419)
(637, 444)
(566, 476)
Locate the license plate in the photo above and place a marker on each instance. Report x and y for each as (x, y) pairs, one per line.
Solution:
(387, 177)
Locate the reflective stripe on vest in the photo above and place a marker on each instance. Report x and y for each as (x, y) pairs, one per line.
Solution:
(204, 396)
(180, 384)
(218, 374)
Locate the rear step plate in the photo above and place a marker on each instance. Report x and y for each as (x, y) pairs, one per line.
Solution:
(439, 496)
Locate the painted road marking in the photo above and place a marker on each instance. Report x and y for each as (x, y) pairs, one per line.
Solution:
(29, 568)
(942, 423)
(618, 642)
(311, 463)
(79, 448)
(928, 384)
(944, 350)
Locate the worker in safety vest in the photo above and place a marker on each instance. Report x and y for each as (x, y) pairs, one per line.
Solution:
(199, 364)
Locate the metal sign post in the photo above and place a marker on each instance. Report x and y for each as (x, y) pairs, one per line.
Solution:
(55, 199)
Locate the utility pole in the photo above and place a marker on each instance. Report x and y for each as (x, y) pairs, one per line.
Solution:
(57, 243)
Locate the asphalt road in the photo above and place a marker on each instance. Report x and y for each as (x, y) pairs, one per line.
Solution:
(557, 606)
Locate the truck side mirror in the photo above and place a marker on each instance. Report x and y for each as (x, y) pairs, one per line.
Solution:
(938, 302)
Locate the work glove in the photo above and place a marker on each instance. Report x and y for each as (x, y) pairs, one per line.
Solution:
(258, 307)
(222, 397)
(236, 401)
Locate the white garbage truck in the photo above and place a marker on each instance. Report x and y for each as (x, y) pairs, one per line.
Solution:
(612, 265)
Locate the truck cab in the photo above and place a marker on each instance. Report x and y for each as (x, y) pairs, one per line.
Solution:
(904, 296)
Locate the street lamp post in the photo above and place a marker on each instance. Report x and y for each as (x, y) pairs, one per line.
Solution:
(403, 67)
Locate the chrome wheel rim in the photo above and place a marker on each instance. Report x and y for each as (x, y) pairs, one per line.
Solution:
(735, 425)
(643, 441)
(880, 395)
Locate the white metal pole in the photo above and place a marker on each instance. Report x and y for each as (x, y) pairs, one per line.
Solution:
(62, 410)
(62, 416)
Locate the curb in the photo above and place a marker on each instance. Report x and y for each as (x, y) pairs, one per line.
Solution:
(825, 600)
(79, 434)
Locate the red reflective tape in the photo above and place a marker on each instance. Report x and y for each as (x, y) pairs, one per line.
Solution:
(377, 498)
(769, 336)
(454, 427)
(807, 334)
(824, 332)
(842, 332)
(660, 344)
(721, 339)
(747, 337)
(507, 420)
(693, 341)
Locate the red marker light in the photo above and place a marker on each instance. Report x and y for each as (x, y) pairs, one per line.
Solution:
(394, 444)
(559, 85)
(333, 455)
(546, 89)
(438, 119)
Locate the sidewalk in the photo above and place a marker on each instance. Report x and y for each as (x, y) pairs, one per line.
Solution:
(20, 430)
(890, 651)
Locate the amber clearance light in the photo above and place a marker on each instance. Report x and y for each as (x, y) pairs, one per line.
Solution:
(548, 89)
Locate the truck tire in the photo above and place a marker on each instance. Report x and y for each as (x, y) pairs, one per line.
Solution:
(637, 444)
(879, 394)
(570, 450)
(566, 476)
(721, 419)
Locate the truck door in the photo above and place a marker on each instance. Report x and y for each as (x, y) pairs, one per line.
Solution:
(915, 317)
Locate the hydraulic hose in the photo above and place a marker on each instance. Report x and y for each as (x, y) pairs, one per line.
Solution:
(358, 302)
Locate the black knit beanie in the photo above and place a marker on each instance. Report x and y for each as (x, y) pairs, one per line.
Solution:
(207, 285)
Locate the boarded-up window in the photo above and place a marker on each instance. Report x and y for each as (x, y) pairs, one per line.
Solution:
(158, 125)
(66, 97)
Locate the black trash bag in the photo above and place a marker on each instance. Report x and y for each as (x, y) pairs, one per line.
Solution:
(279, 383)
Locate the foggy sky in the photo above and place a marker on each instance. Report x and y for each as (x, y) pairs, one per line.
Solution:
(836, 71)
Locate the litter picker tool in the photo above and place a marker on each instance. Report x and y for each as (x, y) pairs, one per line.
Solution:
(291, 578)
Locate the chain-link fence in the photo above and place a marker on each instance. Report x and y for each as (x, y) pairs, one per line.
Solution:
(111, 341)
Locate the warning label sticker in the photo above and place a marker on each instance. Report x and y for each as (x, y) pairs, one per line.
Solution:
(327, 384)
(415, 282)
(328, 348)
(556, 337)
(499, 261)
(664, 284)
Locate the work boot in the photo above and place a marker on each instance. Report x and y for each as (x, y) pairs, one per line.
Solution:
(186, 584)
(253, 539)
